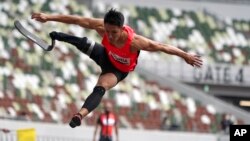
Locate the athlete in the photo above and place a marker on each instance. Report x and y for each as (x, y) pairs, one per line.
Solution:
(116, 56)
(107, 121)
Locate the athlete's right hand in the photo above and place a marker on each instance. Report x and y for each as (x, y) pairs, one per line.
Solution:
(41, 17)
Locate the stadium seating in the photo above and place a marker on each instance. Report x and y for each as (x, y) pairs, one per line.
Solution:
(51, 86)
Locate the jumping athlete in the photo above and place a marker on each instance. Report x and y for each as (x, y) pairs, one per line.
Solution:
(117, 56)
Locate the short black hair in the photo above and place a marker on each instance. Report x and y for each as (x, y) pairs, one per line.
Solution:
(114, 17)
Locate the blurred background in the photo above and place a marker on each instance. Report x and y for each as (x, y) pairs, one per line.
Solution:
(164, 99)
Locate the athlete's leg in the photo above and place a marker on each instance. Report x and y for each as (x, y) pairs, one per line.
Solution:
(85, 45)
(105, 82)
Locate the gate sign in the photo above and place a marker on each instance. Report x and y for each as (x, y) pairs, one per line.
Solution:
(222, 74)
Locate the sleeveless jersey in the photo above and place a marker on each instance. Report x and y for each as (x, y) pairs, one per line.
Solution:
(121, 57)
(107, 122)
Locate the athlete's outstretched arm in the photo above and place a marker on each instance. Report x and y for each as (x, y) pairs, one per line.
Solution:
(142, 43)
(89, 23)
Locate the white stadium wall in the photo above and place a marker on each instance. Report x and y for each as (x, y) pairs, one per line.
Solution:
(55, 132)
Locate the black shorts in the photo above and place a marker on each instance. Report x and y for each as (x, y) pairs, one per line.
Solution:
(105, 138)
(100, 56)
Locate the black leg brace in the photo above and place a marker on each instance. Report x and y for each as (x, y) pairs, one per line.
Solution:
(83, 44)
(94, 99)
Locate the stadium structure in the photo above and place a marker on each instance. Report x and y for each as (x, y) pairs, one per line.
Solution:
(164, 99)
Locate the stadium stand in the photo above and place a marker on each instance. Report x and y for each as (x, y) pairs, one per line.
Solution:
(51, 86)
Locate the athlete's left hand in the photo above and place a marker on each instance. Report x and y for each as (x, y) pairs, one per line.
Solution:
(194, 60)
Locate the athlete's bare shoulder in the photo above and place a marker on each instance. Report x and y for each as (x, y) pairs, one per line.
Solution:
(135, 43)
(139, 42)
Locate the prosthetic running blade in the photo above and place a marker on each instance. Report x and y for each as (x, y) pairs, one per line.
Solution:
(45, 46)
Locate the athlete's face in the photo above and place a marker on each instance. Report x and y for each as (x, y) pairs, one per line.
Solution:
(114, 32)
(108, 107)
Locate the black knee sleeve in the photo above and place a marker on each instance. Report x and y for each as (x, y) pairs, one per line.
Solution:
(83, 44)
(94, 99)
